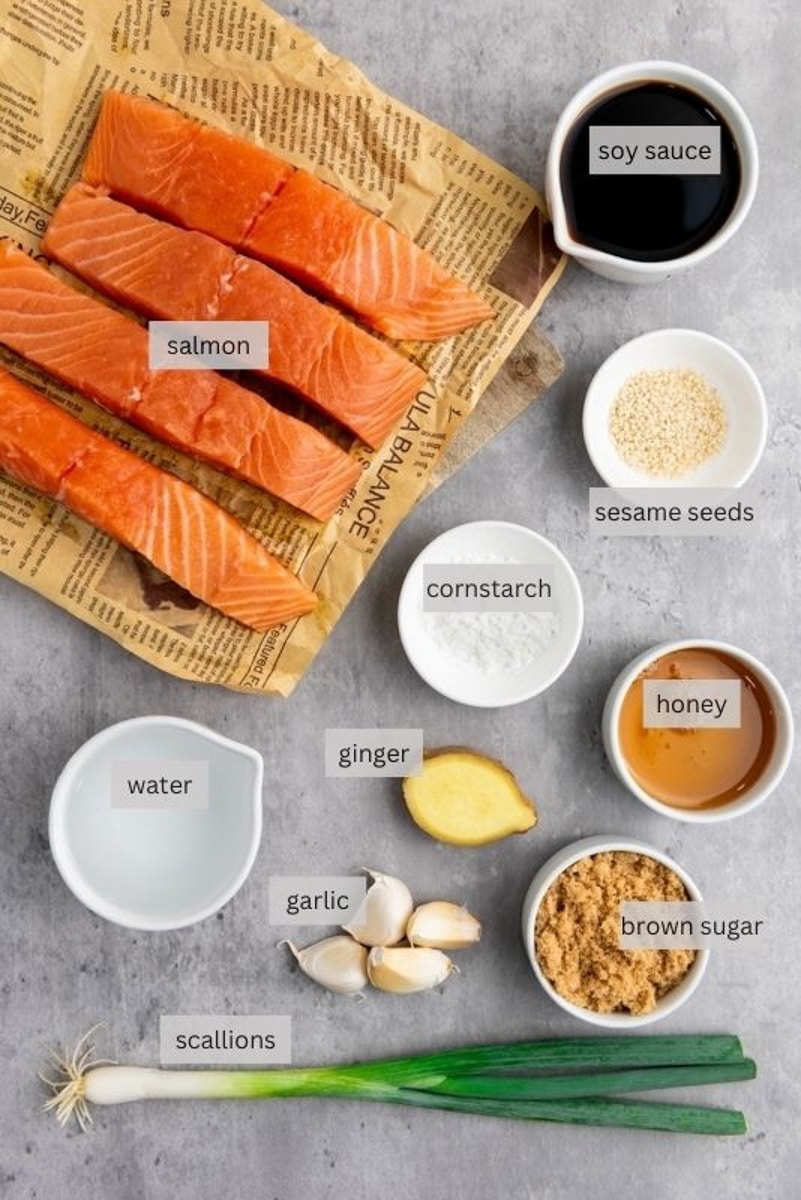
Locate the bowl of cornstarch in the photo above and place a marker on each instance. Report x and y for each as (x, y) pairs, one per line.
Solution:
(490, 614)
(675, 408)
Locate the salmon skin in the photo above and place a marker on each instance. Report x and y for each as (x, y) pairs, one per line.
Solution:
(91, 347)
(223, 185)
(176, 274)
(174, 526)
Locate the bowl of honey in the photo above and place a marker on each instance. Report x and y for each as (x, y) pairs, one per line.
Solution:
(652, 167)
(699, 730)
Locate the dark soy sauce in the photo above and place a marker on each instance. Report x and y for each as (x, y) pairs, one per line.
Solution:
(650, 218)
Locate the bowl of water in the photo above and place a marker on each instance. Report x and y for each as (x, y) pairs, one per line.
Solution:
(155, 822)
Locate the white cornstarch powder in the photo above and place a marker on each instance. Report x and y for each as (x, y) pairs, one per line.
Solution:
(493, 642)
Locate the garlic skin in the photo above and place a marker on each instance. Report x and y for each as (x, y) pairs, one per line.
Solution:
(405, 969)
(383, 914)
(336, 963)
(444, 926)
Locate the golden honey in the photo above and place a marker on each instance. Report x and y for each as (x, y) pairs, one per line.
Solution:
(702, 767)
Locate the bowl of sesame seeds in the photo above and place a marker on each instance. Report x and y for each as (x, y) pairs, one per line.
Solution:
(675, 408)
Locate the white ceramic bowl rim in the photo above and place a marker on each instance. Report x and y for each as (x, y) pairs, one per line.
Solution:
(76, 882)
(524, 692)
(770, 778)
(550, 870)
(672, 72)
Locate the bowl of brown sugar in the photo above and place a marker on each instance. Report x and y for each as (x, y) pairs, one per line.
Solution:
(571, 931)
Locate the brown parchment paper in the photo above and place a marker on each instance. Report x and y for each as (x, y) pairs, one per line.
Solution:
(243, 67)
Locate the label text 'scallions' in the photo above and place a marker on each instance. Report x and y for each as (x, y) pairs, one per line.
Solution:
(224, 1040)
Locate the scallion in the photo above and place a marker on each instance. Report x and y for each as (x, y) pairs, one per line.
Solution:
(573, 1081)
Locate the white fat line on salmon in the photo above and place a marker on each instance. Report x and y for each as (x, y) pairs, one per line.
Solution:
(225, 286)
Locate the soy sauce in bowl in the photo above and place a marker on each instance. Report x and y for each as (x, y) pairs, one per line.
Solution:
(648, 218)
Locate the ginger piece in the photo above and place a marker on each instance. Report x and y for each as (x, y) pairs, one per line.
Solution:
(465, 798)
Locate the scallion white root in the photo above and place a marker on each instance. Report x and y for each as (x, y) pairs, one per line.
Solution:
(69, 1090)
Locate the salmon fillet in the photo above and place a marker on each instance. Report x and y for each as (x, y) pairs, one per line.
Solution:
(188, 172)
(176, 274)
(326, 241)
(222, 185)
(104, 354)
(176, 527)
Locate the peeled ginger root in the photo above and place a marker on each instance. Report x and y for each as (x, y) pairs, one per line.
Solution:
(467, 799)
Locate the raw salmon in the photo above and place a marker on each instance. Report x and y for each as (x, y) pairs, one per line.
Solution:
(322, 238)
(103, 354)
(177, 528)
(176, 274)
(225, 186)
(187, 171)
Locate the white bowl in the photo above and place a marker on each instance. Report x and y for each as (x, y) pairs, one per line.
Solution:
(770, 778)
(726, 370)
(463, 681)
(626, 270)
(151, 868)
(548, 873)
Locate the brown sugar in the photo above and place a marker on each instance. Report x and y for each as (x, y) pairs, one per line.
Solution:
(578, 927)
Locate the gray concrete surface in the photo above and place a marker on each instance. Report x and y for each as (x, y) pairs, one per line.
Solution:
(498, 74)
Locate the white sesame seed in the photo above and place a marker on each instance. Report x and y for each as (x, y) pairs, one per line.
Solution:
(666, 423)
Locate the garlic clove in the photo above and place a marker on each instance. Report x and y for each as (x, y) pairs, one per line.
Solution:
(404, 969)
(382, 916)
(443, 925)
(336, 963)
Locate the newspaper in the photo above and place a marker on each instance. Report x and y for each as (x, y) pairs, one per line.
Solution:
(241, 66)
